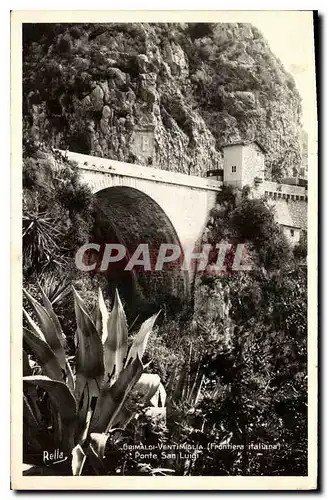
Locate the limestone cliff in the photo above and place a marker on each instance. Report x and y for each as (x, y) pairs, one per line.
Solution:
(166, 95)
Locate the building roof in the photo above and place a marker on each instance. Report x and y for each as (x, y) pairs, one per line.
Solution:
(245, 143)
(292, 214)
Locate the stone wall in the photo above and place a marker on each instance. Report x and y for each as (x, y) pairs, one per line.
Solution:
(290, 213)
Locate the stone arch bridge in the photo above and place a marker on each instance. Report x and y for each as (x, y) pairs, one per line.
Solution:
(137, 204)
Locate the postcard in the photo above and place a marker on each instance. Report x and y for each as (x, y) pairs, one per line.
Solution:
(164, 250)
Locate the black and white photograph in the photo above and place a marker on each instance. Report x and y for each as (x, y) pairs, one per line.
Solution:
(165, 248)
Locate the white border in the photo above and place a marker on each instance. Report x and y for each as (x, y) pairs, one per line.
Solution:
(133, 483)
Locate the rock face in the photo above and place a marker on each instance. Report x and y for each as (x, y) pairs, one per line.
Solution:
(166, 95)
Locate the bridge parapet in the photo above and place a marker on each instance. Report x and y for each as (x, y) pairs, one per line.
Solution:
(113, 167)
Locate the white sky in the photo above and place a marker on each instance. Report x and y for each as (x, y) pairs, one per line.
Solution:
(291, 39)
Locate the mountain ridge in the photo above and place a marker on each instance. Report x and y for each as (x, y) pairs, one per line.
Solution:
(160, 94)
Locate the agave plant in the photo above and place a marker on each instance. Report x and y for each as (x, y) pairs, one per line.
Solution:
(56, 288)
(40, 237)
(70, 411)
(185, 386)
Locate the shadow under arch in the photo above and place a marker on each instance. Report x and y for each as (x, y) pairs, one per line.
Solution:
(130, 217)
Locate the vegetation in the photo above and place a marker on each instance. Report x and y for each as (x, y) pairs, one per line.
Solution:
(300, 250)
(77, 405)
(240, 219)
(228, 382)
(57, 210)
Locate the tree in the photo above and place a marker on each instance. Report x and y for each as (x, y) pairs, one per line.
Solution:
(254, 222)
(261, 373)
(300, 250)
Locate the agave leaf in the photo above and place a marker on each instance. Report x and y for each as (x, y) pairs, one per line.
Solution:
(89, 350)
(80, 301)
(199, 388)
(44, 354)
(171, 381)
(31, 396)
(89, 367)
(140, 341)
(100, 316)
(78, 459)
(61, 295)
(64, 403)
(159, 398)
(112, 398)
(59, 394)
(62, 339)
(70, 377)
(86, 409)
(28, 414)
(95, 461)
(33, 441)
(98, 442)
(36, 330)
(49, 329)
(116, 342)
(147, 386)
(53, 316)
(27, 370)
(123, 417)
(27, 467)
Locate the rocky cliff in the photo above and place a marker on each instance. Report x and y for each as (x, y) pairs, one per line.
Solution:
(166, 95)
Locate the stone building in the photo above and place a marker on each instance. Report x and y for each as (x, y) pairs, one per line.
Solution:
(244, 165)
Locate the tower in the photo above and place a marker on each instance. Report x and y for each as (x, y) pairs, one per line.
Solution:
(243, 163)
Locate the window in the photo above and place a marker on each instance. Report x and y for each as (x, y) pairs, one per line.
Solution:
(292, 232)
(234, 168)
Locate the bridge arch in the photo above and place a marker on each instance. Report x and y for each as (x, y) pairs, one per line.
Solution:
(130, 217)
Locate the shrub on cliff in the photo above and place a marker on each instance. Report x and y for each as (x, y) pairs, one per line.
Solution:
(57, 210)
(300, 250)
(254, 223)
(262, 370)
(239, 219)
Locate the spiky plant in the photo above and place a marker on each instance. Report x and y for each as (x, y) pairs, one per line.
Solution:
(74, 409)
(55, 287)
(40, 241)
(185, 385)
